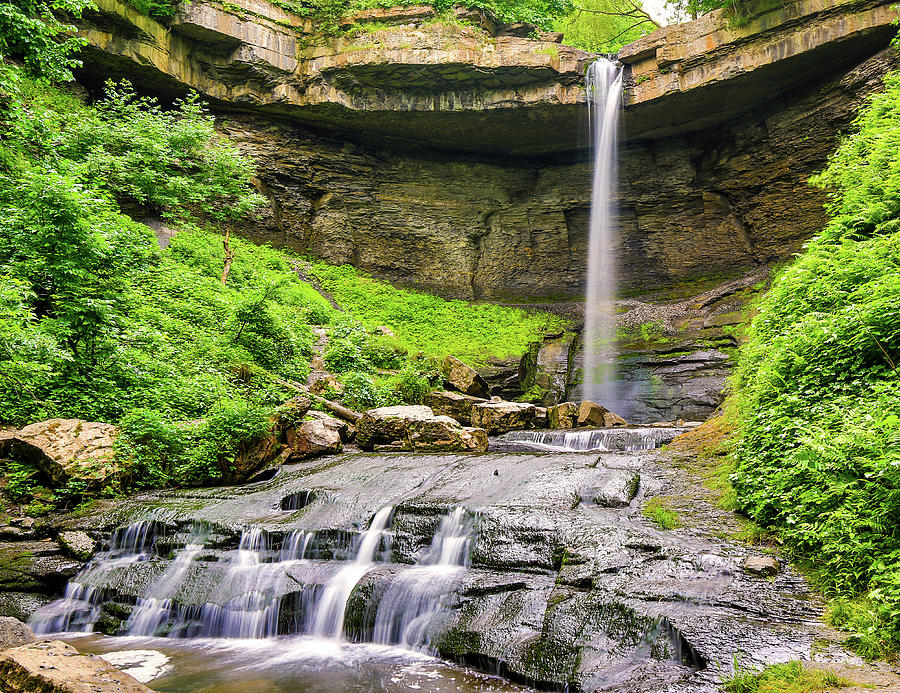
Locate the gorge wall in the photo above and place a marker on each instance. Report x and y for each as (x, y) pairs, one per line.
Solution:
(451, 157)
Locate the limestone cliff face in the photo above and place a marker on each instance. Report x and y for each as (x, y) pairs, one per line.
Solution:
(452, 157)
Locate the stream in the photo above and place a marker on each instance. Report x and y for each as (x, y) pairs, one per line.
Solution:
(373, 572)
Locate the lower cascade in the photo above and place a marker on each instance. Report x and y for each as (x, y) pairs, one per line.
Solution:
(253, 580)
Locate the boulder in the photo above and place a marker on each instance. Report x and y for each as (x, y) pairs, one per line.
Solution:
(597, 416)
(387, 425)
(540, 418)
(56, 667)
(443, 434)
(500, 417)
(69, 450)
(14, 633)
(463, 378)
(416, 428)
(453, 404)
(764, 566)
(563, 416)
(253, 458)
(618, 489)
(77, 544)
(308, 439)
(22, 605)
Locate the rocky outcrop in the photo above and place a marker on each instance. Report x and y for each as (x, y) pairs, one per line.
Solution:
(587, 591)
(35, 566)
(598, 416)
(453, 404)
(724, 126)
(68, 450)
(55, 667)
(314, 438)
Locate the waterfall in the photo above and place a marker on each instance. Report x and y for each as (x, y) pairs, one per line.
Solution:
(328, 618)
(409, 612)
(79, 608)
(604, 96)
(269, 584)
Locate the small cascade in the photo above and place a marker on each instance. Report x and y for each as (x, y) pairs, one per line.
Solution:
(153, 611)
(590, 440)
(410, 610)
(604, 92)
(78, 610)
(328, 617)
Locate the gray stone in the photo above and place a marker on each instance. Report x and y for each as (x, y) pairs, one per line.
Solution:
(310, 439)
(77, 544)
(618, 489)
(69, 450)
(764, 566)
(416, 428)
(14, 633)
(387, 425)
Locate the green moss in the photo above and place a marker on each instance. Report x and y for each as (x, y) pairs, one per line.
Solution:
(790, 677)
(658, 511)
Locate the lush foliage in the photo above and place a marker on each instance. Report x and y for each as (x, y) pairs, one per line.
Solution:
(32, 31)
(604, 26)
(434, 326)
(818, 388)
(790, 677)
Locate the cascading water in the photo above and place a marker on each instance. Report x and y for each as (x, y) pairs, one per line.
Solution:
(409, 612)
(78, 610)
(604, 96)
(328, 618)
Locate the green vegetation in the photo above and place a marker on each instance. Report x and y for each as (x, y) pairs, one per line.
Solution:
(790, 677)
(658, 511)
(434, 326)
(817, 389)
(604, 26)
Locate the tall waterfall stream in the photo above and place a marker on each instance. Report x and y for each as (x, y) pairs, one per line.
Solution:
(604, 97)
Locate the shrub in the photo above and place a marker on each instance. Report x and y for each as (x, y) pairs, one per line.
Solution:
(817, 387)
(361, 392)
(412, 385)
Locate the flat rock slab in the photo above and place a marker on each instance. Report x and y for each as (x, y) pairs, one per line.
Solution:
(55, 667)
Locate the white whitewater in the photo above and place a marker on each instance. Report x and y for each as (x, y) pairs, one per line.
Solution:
(328, 617)
(410, 610)
(78, 610)
(604, 95)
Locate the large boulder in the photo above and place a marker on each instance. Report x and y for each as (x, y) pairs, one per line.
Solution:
(500, 417)
(56, 667)
(443, 434)
(563, 416)
(387, 425)
(417, 428)
(463, 378)
(77, 544)
(14, 633)
(69, 450)
(453, 404)
(597, 416)
(315, 438)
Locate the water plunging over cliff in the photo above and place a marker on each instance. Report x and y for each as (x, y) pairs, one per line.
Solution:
(604, 92)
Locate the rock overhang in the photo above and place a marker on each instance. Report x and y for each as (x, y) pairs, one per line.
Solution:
(413, 81)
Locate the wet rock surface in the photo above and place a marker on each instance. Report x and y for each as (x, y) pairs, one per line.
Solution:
(562, 591)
